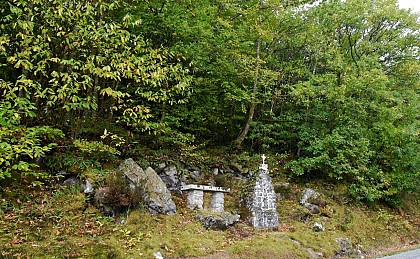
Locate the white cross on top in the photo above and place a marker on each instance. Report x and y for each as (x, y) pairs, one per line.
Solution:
(263, 158)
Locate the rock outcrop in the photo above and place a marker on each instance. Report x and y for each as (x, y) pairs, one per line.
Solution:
(150, 187)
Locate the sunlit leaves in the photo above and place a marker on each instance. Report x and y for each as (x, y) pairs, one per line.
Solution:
(19, 145)
(78, 57)
(69, 60)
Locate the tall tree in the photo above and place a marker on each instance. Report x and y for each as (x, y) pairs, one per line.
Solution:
(78, 65)
(76, 57)
(357, 115)
(238, 141)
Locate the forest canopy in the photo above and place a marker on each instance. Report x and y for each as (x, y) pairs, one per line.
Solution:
(334, 85)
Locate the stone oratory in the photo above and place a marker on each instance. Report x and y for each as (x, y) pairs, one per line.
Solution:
(262, 200)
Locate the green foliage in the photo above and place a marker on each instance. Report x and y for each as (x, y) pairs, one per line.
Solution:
(84, 158)
(21, 145)
(113, 140)
(95, 149)
(218, 42)
(334, 85)
(356, 117)
(78, 60)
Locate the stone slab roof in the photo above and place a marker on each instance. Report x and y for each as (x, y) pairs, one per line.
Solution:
(204, 188)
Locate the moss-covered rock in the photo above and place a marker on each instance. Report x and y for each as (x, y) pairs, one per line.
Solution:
(217, 221)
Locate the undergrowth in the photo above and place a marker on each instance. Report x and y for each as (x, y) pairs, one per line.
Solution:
(54, 222)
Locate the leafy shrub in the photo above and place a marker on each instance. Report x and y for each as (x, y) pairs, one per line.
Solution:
(84, 158)
(20, 144)
(365, 138)
(96, 150)
(119, 195)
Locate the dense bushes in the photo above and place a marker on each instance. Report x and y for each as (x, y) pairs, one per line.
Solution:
(20, 145)
(335, 87)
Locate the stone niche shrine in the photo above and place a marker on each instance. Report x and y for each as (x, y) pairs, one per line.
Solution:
(262, 200)
(195, 198)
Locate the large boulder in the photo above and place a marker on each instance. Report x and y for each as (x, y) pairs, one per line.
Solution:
(218, 221)
(150, 187)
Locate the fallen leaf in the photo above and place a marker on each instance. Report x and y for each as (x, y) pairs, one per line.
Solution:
(15, 241)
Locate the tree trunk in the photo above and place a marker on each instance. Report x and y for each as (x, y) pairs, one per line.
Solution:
(238, 141)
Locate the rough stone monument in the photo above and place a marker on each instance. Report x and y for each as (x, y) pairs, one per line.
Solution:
(262, 200)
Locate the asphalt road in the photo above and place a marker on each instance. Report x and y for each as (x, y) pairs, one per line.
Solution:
(413, 254)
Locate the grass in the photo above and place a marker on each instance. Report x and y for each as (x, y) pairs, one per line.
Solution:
(51, 222)
(178, 235)
(267, 245)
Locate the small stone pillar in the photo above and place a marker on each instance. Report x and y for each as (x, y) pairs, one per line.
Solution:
(217, 202)
(195, 199)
